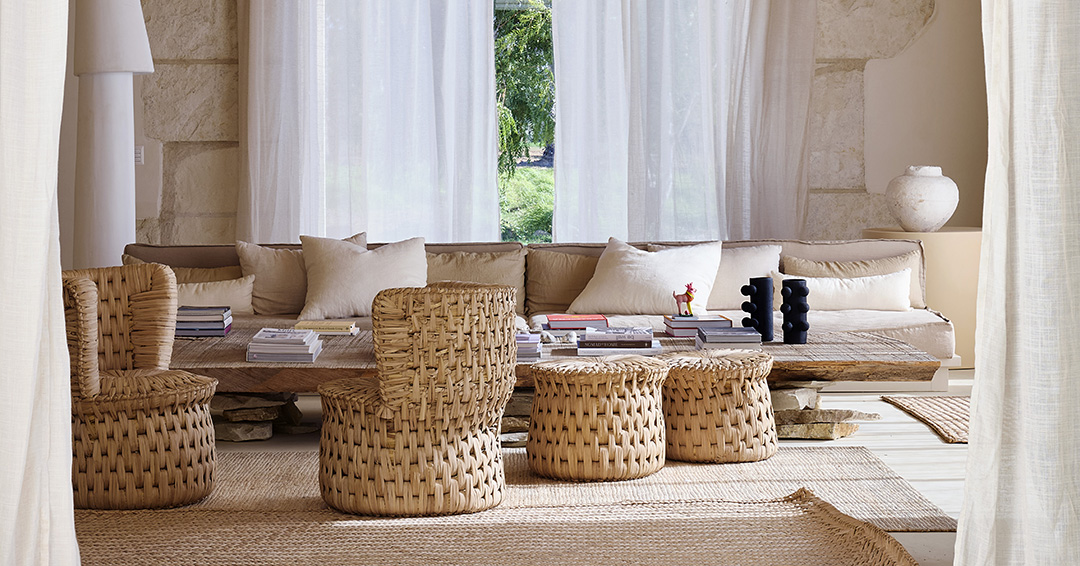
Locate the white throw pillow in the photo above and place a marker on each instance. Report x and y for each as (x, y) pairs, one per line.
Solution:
(343, 278)
(737, 266)
(889, 292)
(234, 293)
(632, 281)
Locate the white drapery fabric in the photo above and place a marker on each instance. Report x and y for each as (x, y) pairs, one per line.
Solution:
(682, 119)
(36, 518)
(1022, 489)
(374, 116)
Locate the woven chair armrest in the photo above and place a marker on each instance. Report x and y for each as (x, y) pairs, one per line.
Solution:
(153, 319)
(81, 318)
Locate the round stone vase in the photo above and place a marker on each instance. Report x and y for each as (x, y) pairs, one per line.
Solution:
(922, 199)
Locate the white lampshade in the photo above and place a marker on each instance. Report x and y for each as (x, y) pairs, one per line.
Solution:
(110, 36)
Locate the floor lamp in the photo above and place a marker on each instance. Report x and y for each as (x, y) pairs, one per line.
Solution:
(110, 47)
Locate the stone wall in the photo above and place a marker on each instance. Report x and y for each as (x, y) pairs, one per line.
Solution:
(191, 108)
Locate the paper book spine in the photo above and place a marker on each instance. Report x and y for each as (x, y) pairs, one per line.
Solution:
(614, 343)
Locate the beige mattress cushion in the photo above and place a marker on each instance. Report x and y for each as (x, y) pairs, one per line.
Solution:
(922, 328)
(490, 268)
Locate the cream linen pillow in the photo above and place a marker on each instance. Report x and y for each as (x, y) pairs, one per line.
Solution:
(554, 279)
(343, 278)
(632, 281)
(862, 268)
(887, 292)
(194, 274)
(235, 293)
(737, 266)
(280, 275)
(491, 268)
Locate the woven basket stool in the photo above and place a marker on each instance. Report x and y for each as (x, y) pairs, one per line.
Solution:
(597, 419)
(717, 406)
(422, 436)
(142, 436)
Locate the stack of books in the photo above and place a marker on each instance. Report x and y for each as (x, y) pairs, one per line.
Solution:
(735, 337)
(574, 322)
(203, 321)
(687, 326)
(284, 345)
(619, 340)
(329, 327)
(528, 347)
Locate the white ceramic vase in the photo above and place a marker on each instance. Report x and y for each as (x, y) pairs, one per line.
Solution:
(922, 199)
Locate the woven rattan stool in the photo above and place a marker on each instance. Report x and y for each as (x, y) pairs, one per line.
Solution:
(422, 437)
(142, 436)
(597, 419)
(717, 406)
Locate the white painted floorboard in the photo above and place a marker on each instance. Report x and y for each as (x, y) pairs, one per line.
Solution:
(934, 468)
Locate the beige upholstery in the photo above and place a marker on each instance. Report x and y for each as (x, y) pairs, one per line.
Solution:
(142, 433)
(422, 437)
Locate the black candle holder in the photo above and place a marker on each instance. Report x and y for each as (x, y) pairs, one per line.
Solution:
(759, 307)
(794, 309)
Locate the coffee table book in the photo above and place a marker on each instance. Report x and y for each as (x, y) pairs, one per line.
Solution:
(284, 345)
(329, 327)
(687, 326)
(654, 349)
(576, 321)
(202, 314)
(617, 337)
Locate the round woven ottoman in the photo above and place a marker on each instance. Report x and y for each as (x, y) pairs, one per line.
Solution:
(717, 406)
(597, 419)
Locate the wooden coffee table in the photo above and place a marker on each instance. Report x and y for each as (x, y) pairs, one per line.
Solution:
(827, 356)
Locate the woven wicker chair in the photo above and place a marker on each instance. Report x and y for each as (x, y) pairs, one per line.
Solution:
(422, 437)
(597, 419)
(142, 433)
(717, 406)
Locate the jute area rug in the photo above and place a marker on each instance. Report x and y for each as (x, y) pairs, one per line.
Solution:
(266, 509)
(948, 416)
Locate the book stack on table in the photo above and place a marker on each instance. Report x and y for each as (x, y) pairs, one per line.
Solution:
(284, 345)
(618, 340)
(343, 327)
(203, 321)
(687, 326)
(572, 322)
(735, 337)
(528, 347)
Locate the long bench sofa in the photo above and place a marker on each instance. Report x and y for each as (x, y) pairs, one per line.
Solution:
(550, 277)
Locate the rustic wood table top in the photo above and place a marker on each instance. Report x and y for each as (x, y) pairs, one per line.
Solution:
(827, 356)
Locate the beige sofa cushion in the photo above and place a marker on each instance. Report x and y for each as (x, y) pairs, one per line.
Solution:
(555, 279)
(862, 268)
(194, 274)
(280, 275)
(343, 278)
(491, 268)
(234, 293)
(888, 292)
(628, 280)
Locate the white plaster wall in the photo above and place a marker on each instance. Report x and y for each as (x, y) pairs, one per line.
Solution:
(927, 106)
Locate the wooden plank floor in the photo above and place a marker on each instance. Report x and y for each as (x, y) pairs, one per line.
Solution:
(907, 446)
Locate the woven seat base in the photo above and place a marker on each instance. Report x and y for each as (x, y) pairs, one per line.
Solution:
(405, 466)
(717, 407)
(597, 419)
(140, 445)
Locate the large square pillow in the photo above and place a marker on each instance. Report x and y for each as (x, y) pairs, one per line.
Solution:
(280, 275)
(632, 281)
(491, 268)
(737, 266)
(554, 279)
(343, 278)
(887, 292)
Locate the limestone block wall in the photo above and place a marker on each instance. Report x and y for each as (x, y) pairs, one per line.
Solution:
(190, 107)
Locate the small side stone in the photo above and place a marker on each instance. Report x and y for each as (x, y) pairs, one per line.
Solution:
(243, 431)
(255, 414)
(515, 424)
(286, 428)
(806, 416)
(520, 404)
(232, 401)
(816, 431)
(794, 399)
(513, 439)
(289, 414)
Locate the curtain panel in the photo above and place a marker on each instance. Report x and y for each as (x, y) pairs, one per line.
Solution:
(1022, 489)
(681, 120)
(374, 116)
(37, 524)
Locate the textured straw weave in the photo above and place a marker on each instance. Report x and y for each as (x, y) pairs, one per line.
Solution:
(422, 438)
(947, 415)
(142, 433)
(717, 406)
(597, 419)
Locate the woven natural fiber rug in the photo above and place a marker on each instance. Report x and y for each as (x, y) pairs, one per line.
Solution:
(266, 509)
(948, 416)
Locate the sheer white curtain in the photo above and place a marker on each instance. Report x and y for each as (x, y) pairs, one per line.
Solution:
(682, 119)
(36, 518)
(1022, 489)
(374, 116)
